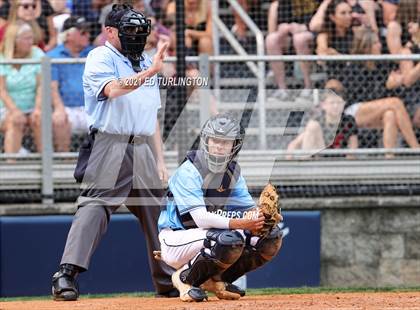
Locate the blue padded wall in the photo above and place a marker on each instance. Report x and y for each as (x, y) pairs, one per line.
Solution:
(299, 260)
(31, 249)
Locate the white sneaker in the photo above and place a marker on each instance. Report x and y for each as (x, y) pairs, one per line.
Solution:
(23, 151)
(306, 93)
(187, 293)
(279, 95)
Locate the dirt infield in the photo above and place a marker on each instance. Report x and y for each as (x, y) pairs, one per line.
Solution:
(379, 301)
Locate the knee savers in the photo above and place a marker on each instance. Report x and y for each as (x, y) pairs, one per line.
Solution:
(222, 249)
(254, 256)
(270, 245)
(224, 245)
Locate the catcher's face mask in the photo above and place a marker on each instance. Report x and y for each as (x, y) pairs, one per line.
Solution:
(221, 140)
(219, 152)
(133, 30)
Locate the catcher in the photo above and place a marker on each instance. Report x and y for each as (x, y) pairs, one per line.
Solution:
(210, 230)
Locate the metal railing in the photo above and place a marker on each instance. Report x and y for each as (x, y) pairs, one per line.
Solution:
(365, 167)
(259, 71)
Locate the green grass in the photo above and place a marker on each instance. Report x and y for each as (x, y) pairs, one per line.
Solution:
(250, 292)
(317, 290)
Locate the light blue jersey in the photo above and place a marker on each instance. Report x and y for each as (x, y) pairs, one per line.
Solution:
(186, 187)
(133, 113)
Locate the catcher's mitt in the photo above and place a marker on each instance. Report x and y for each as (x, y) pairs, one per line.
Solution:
(268, 205)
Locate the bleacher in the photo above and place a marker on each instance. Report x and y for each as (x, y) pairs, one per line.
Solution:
(366, 175)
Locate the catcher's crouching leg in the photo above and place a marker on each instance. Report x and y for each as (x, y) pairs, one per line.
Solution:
(255, 256)
(222, 249)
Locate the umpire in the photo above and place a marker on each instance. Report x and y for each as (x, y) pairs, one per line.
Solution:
(121, 161)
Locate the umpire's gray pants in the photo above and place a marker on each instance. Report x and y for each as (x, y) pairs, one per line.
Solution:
(113, 158)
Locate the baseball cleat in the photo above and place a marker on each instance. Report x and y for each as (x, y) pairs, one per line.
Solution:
(173, 293)
(235, 289)
(187, 292)
(223, 290)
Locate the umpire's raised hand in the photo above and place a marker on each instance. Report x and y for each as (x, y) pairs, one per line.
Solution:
(159, 57)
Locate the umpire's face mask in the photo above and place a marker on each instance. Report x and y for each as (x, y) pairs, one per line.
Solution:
(133, 30)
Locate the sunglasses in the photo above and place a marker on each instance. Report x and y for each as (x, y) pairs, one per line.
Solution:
(27, 6)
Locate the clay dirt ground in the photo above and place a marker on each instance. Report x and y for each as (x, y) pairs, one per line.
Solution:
(364, 300)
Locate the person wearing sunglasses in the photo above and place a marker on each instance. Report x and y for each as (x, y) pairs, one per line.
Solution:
(38, 13)
(20, 88)
(69, 116)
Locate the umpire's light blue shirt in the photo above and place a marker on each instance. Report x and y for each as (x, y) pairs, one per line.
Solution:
(186, 187)
(133, 113)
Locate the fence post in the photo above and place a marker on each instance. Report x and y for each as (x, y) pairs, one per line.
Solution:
(182, 132)
(46, 130)
(261, 106)
(204, 67)
(216, 50)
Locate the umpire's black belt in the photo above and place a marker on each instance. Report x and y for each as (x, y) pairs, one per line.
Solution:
(131, 139)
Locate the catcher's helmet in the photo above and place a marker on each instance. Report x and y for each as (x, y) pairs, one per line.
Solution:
(133, 29)
(222, 126)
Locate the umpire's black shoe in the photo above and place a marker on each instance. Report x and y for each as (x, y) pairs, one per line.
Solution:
(64, 286)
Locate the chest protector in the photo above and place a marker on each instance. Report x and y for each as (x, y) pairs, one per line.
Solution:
(216, 187)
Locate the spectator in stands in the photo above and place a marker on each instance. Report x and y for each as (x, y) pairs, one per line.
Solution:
(159, 35)
(22, 11)
(369, 103)
(407, 78)
(330, 129)
(239, 28)
(198, 23)
(45, 15)
(20, 89)
(39, 14)
(389, 10)
(62, 12)
(362, 11)
(4, 13)
(158, 8)
(91, 11)
(290, 17)
(397, 30)
(336, 36)
(69, 115)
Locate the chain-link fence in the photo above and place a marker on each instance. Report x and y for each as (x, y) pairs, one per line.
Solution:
(282, 99)
(284, 122)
